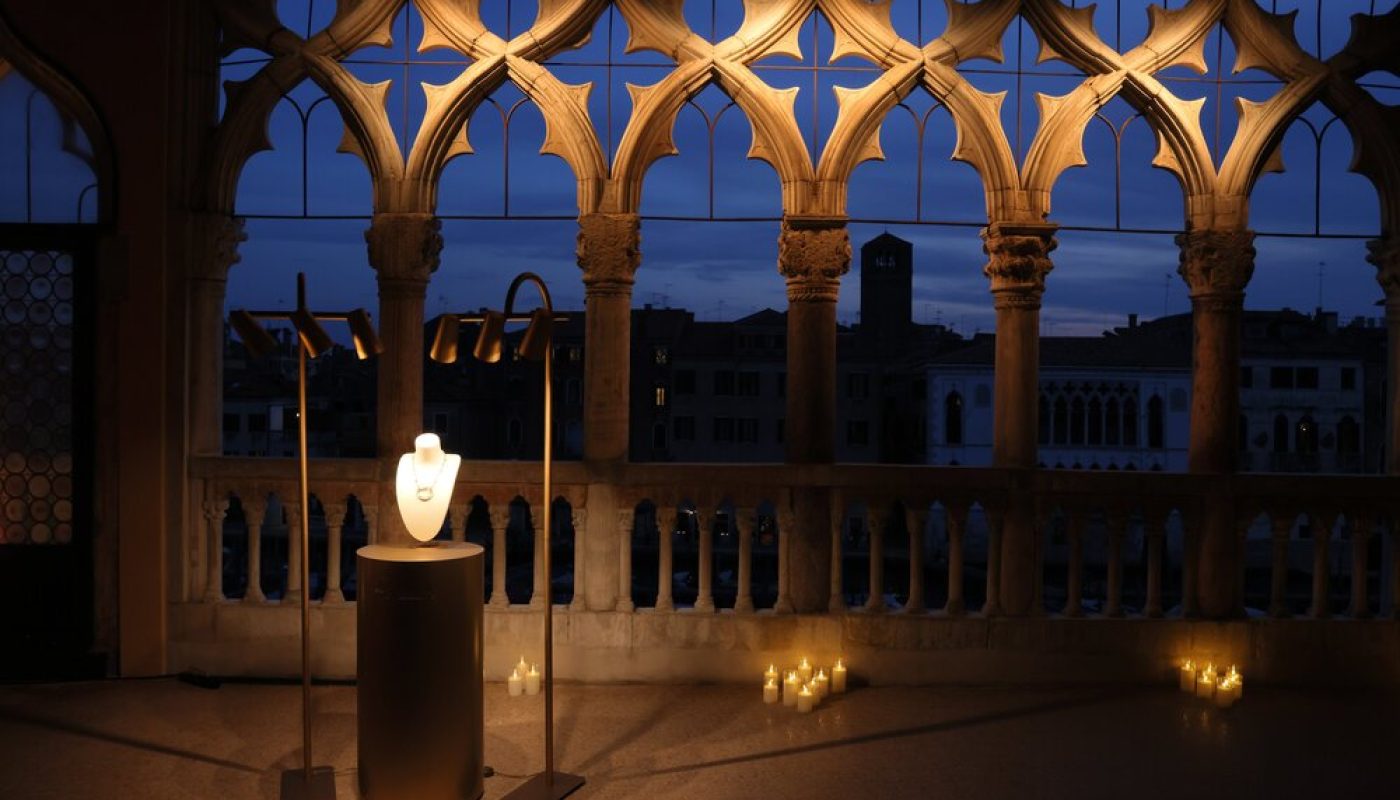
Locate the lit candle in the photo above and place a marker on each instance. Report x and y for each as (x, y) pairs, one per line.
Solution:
(823, 684)
(522, 667)
(1238, 680)
(791, 686)
(1227, 692)
(515, 684)
(838, 677)
(770, 674)
(816, 693)
(532, 680)
(805, 700)
(770, 692)
(804, 670)
(1205, 682)
(1188, 676)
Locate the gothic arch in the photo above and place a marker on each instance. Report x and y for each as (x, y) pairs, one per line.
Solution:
(71, 102)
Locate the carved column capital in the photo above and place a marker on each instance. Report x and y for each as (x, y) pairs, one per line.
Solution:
(404, 247)
(1018, 259)
(335, 515)
(1385, 255)
(1216, 265)
(812, 256)
(609, 251)
(215, 240)
(214, 510)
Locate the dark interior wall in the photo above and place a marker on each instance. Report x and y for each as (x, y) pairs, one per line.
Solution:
(137, 63)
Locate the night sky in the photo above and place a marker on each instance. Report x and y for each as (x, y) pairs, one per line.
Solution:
(723, 270)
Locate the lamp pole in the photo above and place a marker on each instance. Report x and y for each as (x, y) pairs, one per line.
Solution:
(309, 782)
(538, 344)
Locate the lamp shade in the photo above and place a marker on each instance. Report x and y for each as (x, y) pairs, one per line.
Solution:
(313, 336)
(255, 337)
(444, 350)
(488, 342)
(535, 345)
(362, 331)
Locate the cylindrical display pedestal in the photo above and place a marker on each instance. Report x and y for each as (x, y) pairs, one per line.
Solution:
(419, 664)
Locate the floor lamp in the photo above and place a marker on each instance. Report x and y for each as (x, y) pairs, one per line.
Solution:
(308, 782)
(537, 345)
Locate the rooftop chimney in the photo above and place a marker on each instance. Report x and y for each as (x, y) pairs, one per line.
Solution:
(1132, 321)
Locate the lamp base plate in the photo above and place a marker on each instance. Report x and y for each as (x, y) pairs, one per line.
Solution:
(295, 787)
(540, 787)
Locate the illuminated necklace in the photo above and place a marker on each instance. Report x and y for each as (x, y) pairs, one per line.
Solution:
(425, 493)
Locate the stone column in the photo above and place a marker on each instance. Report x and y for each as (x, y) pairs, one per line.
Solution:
(292, 595)
(254, 512)
(813, 254)
(579, 520)
(500, 520)
(914, 519)
(1385, 254)
(608, 253)
(1018, 259)
(403, 249)
(215, 247)
(746, 521)
(626, 521)
(1216, 265)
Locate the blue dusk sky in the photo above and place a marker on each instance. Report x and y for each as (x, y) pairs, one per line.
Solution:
(723, 270)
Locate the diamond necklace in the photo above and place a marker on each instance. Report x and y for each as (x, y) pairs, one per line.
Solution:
(425, 493)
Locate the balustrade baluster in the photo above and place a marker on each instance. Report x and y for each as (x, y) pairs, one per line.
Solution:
(500, 519)
(1360, 547)
(787, 527)
(459, 516)
(665, 567)
(335, 531)
(836, 604)
(626, 518)
(1153, 528)
(953, 528)
(914, 519)
(253, 513)
(540, 590)
(1074, 579)
(992, 606)
(875, 525)
(214, 511)
(294, 555)
(745, 520)
(1190, 553)
(1278, 573)
(1116, 526)
(1321, 532)
(1393, 530)
(579, 519)
(705, 600)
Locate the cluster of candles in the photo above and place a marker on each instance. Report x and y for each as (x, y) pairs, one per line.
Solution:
(524, 679)
(802, 687)
(1208, 683)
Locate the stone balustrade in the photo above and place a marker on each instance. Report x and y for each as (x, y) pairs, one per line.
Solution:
(686, 574)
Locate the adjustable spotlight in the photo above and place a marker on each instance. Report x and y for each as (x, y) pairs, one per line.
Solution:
(535, 345)
(362, 331)
(315, 338)
(255, 337)
(488, 342)
(444, 350)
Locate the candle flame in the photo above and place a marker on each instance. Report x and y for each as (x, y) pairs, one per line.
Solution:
(806, 690)
(839, 665)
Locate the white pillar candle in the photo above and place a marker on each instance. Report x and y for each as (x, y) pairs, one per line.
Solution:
(515, 684)
(1205, 682)
(805, 700)
(770, 692)
(816, 693)
(823, 684)
(522, 667)
(1238, 680)
(770, 674)
(1188, 676)
(791, 686)
(804, 670)
(1226, 693)
(838, 677)
(532, 680)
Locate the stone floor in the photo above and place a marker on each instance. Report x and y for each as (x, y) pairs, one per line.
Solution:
(164, 739)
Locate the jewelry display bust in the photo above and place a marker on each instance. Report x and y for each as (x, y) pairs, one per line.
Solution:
(424, 486)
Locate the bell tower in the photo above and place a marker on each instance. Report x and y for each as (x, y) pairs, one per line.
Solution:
(886, 287)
